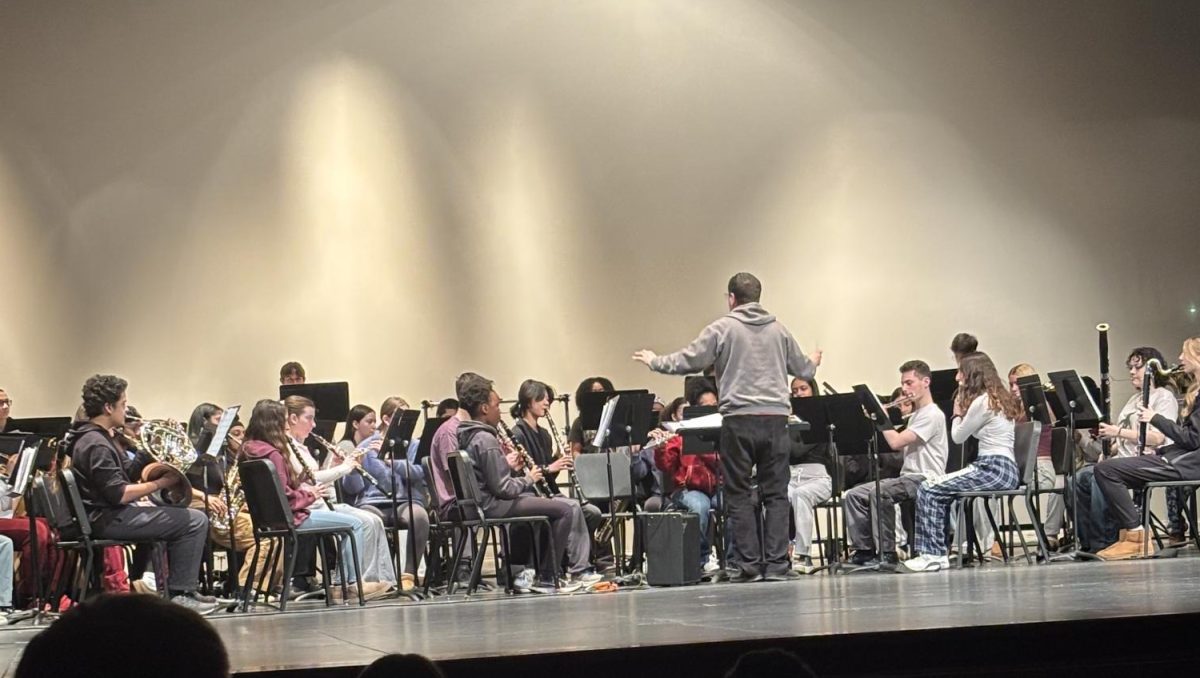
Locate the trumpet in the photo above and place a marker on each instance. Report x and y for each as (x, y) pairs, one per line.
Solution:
(332, 449)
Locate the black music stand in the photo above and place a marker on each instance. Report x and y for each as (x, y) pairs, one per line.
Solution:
(35, 456)
(629, 425)
(879, 420)
(1075, 400)
(46, 428)
(332, 403)
(397, 436)
(833, 419)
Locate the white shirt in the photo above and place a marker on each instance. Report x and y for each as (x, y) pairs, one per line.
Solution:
(993, 430)
(1162, 401)
(325, 475)
(927, 456)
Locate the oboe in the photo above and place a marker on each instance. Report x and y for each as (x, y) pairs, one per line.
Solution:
(562, 452)
(505, 434)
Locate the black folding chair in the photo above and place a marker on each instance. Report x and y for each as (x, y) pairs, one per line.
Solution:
(273, 521)
(1148, 491)
(63, 506)
(469, 519)
(1025, 446)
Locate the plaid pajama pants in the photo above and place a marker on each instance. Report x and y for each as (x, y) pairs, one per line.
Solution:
(990, 472)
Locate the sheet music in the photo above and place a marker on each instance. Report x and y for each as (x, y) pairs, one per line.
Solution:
(223, 426)
(707, 421)
(20, 479)
(606, 416)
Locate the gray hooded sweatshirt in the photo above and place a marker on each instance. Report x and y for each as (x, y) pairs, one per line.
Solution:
(497, 484)
(753, 354)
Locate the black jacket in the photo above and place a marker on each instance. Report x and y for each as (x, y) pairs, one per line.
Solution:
(102, 468)
(1184, 452)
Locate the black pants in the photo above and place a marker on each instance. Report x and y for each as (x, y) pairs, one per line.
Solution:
(1116, 477)
(748, 442)
(560, 528)
(184, 530)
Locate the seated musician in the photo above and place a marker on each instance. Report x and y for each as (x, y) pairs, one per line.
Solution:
(986, 409)
(502, 480)
(691, 480)
(268, 436)
(1178, 461)
(1047, 476)
(925, 448)
(14, 525)
(533, 403)
(292, 373)
(378, 570)
(110, 495)
(1096, 524)
(810, 484)
(364, 437)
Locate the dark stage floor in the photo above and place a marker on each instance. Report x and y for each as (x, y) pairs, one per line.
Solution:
(844, 625)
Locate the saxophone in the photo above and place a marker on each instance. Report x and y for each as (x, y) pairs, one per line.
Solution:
(237, 501)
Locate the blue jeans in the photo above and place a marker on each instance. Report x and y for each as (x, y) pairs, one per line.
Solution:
(6, 571)
(1097, 528)
(331, 519)
(694, 501)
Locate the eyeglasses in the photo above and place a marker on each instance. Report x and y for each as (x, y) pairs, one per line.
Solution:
(6, 403)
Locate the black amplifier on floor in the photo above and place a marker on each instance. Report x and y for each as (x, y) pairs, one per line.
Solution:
(672, 548)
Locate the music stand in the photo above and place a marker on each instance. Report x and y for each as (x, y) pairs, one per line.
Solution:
(332, 403)
(45, 427)
(697, 441)
(626, 419)
(35, 456)
(832, 419)
(1076, 401)
(874, 411)
(397, 436)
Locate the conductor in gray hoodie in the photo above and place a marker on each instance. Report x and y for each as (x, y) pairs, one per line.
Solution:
(753, 354)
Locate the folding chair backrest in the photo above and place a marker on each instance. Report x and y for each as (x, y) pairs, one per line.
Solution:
(462, 477)
(50, 502)
(1060, 450)
(1025, 449)
(269, 510)
(80, 523)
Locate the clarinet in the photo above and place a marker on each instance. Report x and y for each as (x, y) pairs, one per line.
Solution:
(312, 475)
(504, 433)
(562, 451)
(1147, 386)
(1105, 386)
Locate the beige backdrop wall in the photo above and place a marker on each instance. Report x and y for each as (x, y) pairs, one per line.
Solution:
(394, 192)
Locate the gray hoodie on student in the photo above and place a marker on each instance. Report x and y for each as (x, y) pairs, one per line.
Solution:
(753, 354)
(498, 485)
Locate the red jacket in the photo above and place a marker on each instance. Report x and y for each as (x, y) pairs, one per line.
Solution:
(298, 498)
(698, 472)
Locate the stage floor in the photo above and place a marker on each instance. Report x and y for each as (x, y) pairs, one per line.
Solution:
(818, 606)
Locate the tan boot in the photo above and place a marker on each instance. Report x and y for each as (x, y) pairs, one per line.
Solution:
(1133, 545)
(372, 590)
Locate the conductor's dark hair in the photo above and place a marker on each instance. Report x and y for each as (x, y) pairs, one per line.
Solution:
(964, 343)
(475, 394)
(745, 288)
(920, 367)
(101, 390)
(175, 641)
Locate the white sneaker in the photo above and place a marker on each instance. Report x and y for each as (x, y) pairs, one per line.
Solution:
(711, 565)
(926, 563)
(587, 578)
(805, 566)
(524, 582)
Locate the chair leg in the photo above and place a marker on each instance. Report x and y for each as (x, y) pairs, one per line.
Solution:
(987, 508)
(1015, 528)
(248, 586)
(358, 575)
(1146, 496)
(1033, 506)
(289, 569)
(959, 528)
